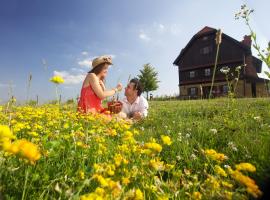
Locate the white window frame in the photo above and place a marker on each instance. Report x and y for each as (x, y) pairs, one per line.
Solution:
(207, 72)
(191, 74)
(193, 91)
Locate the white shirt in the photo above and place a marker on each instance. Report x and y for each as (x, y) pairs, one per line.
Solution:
(139, 105)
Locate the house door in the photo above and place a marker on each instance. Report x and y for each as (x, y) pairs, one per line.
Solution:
(206, 91)
(253, 89)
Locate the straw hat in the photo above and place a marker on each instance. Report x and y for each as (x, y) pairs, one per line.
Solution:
(102, 59)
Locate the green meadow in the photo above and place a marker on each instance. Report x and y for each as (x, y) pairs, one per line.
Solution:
(198, 149)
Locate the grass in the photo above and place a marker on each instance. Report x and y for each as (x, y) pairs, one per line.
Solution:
(242, 130)
(93, 156)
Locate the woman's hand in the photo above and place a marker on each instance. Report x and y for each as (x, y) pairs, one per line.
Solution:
(119, 87)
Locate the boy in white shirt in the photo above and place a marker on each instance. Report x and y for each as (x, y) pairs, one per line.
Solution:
(134, 104)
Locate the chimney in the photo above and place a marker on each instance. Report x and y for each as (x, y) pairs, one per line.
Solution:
(247, 40)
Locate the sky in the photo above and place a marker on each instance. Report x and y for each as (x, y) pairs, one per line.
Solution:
(61, 37)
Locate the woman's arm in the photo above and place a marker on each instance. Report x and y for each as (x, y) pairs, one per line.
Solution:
(97, 88)
(102, 85)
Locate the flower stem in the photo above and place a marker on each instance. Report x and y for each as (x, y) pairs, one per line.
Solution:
(214, 71)
(25, 182)
(56, 91)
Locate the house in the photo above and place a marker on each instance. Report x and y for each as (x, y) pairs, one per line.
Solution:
(196, 63)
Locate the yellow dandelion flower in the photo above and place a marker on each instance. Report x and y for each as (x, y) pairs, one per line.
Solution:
(166, 140)
(5, 133)
(212, 154)
(125, 181)
(99, 194)
(220, 171)
(118, 159)
(157, 164)
(154, 146)
(115, 188)
(100, 191)
(103, 182)
(226, 184)
(169, 167)
(66, 126)
(5, 144)
(245, 167)
(138, 195)
(252, 188)
(110, 170)
(57, 79)
(81, 174)
(28, 150)
(213, 183)
(196, 195)
(163, 197)
(228, 195)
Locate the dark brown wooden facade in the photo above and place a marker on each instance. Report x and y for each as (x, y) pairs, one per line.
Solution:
(196, 63)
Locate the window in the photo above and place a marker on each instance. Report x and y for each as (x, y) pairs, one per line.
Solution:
(205, 38)
(206, 50)
(191, 74)
(207, 72)
(225, 89)
(193, 91)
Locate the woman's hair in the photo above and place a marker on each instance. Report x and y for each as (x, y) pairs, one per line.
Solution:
(96, 70)
(137, 86)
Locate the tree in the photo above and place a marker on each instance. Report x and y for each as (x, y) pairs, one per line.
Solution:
(148, 78)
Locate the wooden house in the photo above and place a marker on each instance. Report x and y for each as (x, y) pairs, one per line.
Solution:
(196, 63)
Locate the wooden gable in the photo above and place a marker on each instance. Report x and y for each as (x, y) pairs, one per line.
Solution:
(201, 50)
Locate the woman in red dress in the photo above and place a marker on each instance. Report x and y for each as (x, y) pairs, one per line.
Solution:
(93, 90)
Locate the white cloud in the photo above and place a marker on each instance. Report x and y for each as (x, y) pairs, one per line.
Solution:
(161, 27)
(112, 55)
(5, 85)
(69, 87)
(78, 70)
(144, 37)
(264, 69)
(70, 79)
(84, 53)
(158, 30)
(175, 29)
(85, 63)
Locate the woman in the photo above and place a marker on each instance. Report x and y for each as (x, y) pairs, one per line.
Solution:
(93, 90)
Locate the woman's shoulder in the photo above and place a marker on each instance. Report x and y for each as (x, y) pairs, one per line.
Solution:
(92, 76)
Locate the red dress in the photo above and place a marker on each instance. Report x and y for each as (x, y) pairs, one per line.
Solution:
(89, 101)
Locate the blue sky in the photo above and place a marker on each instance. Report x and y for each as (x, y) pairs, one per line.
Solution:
(51, 37)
